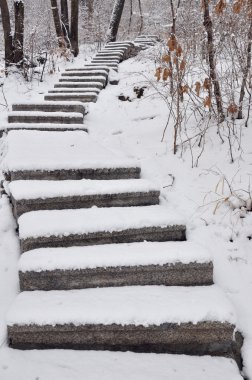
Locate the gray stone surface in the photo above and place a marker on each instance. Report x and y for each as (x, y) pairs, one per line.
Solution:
(44, 127)
(112, 173)
(74, 90)
(178, 274)
(80, 85)
(45, 107)
(205, 338)
(89, 68)
(84, 73)
(99, 79)
(86, 201)
(26, 118)
(168, 233)
(85, 97)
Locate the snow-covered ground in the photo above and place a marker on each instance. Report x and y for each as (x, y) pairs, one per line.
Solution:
(200, 194)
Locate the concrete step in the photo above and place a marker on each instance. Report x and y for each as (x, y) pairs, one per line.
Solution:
(81, 227)
(45, 117)
(50, 107)
(69, 156)
(122, 44)
(148, 263)
(106, 59)
(82, 84)
(112, 55)
(42, 127)
(74, 90)
(113, 66)
(179, 320)
(84, 79)
(85, 73)
(56, 195)
(88, 97)
(89, 68)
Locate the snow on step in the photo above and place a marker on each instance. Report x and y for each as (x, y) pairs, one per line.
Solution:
(69, 155)
(184, 320)
(45, 117)
(50, 107)
(76, 90)
(43, 127)
(64, 228)
(43, 195)
(95, 365)
(106, 59)
(81, 84)
(89, 68)
(81, 73)
(148, 263)
(99, 79)
(84, 97)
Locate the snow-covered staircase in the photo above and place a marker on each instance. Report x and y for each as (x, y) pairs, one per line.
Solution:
(103, 266)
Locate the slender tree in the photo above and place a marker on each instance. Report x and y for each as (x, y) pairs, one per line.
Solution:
(57, 23)
(74, 26)
(211, 58)
(64, 17)
(115, 20)
(18, 42)
(8, 43)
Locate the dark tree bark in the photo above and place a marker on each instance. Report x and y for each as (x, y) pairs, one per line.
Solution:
(57, 23)
(74, 26)
(245, 71)
(211, 57)
(115, 20)
(64, 17)
(7, 32)
(18, 42)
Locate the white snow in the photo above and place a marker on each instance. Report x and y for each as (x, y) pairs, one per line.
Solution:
(95, 365)
(67, 150)
(50, 189)
(90, 78)
(138, 305)
(68, 115)
(113, 255)
(84, 221)
(41, 126)
(87, 72)
(45, 102)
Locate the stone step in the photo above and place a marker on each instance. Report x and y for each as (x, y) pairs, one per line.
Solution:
(88, 97)
(107, 365)
(74, 90)
(81, 227)
(42, 127)
(148, 263)
(84, 80)
(86, 73)
(45, 117)
(112, 51)
(106, 60)
(82, 84)
(112, 55)
(113, 66)
(89, 68)
(56, 195)
(50, 107)
(69, 155)
(123, 44)
(179, 320)
(152, 36)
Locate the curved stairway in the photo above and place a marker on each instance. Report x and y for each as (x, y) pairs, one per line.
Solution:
(118, 276)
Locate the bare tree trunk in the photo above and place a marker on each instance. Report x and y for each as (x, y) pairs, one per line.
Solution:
(74, 26)
(90, 7)
(7, 32)
(245, 71)
(57, 23)
(115, 20)
(211, 57)
(64, 17)
(141, 16)
(18, 42)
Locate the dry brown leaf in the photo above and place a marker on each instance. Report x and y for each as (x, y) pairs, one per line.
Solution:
(172, 43)
(237, 6)
(207, 102)
(158, 73)
(179, 51)
(166, 58)
(220, 7)
(182, 65)
(197, 88)
(166, 74)
(206, 84)
(232, 108)
(175, 60)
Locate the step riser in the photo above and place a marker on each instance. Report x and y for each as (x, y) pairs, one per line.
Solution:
(49, 108)
(192, 274)
(205, 338)
(50, 128)
(89, 68)
(68, 97)
(67, 91)
(99, 174)
(45, 119)
(170, 233)
(76, 202)
(79, 85)
(84, 80)
(83, 74)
